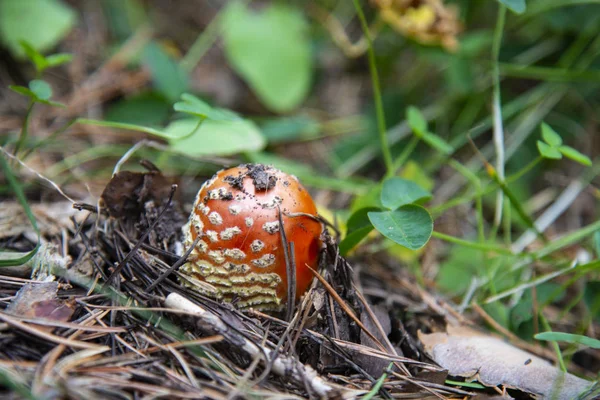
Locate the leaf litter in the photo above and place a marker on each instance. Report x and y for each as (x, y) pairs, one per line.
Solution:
(91, 323)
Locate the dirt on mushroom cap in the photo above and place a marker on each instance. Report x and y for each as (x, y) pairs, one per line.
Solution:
(240, 252)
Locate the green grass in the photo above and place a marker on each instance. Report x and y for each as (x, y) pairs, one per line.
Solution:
(544, 66)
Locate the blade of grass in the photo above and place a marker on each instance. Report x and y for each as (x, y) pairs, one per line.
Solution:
(497, 110)
(473, 245)
(18, 191)
(24, 129)
(377, 386)
(548, 328)
(10, 381)
(385, 148)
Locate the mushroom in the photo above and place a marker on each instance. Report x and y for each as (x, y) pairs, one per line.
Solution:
(239, 252)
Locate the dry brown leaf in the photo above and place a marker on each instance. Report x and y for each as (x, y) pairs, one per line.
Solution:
(426, 21)
(493, 362)
(39, 300)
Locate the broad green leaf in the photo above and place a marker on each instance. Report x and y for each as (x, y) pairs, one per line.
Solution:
(437, 143)
(516, 6)
(167, 76)
(569, 338)
(409, 226)
(41, 89)
(358, 226)
(147, 109)
(574, 155)
(548, 152)
(271, 51)
(550, 136)
(215, 138)
(42, 23)
(192, 105)
(397, 192)
(597, 243)
(416, 120)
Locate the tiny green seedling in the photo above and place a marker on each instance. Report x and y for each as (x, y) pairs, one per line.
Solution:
(553, 148)
(39, 91)
(42, 62)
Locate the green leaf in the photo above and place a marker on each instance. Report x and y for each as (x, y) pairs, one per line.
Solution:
(409, 226)
(13, 182)
(574, 155)
(397, 192)
(167, 76)
(22, 90)
(516, 6)
(216, 138)
(34, 56)
(458, 269)
(51, 103)
(148, 109)
(271, 51)
(437, 143)
(569, 338)
(358, 227)
(416, 120)
(42, 23)
(548, 152)
(41, 89)
(54, 60)
(550, 136)
(192, 105)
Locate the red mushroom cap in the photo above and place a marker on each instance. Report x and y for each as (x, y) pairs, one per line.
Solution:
(240, 252)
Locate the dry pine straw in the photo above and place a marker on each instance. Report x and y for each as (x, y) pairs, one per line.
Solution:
(123, 341)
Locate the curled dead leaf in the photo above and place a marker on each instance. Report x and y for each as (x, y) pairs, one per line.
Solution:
(493, 362)
(40, 300)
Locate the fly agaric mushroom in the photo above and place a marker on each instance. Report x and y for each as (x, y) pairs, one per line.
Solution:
(240, 252)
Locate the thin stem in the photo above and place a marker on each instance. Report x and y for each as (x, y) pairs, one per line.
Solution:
(472, 245)
(24, 129)
(406, 152)
(517, 175)
(559, 357)
(385, 149)
(497, 111)
(203, 42)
